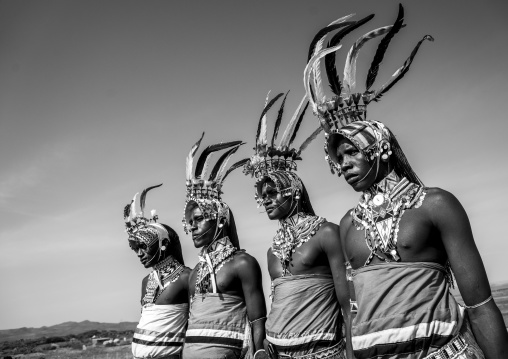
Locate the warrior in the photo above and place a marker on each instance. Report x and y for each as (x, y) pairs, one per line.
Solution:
(160, 333)
(227, 309)
(305, 261)
(403, 240)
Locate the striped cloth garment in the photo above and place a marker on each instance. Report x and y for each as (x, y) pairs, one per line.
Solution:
(161, 331)
(305, 314)
(217, 327)
(405, 310)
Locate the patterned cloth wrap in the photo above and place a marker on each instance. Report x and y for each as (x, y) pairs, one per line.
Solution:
(305, 317)
(405, 310)
(161, 331)
(217, 327)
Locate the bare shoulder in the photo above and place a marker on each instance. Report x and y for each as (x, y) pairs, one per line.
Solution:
(185, 275)
(328, 231)
(439, 201)
(244, 261)
(346, 221)
(145, 280)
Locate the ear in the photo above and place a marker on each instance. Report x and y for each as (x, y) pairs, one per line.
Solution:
(164, 244)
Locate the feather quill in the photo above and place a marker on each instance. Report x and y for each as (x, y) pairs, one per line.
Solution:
(331, 70)
(298, 123)
(284, 141)
(221, 163)
(142, 198)
(190, 159)
(265, 110)
(279, 120)
(383, 46)
(350, 68)
(401, 71)
(317, 42)
(308, 72)
(311, 138)
(207, 152)
(262, 135)
(233, 167)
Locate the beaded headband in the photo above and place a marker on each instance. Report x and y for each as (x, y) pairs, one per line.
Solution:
(337, 114)
(140, 228)
(278, 162)
(206, 193)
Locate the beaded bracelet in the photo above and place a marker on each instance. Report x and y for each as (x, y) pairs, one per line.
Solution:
(255, 320)
(479, 304)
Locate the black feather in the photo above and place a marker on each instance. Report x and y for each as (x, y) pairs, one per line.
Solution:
(321, 33)
(331, 70)
(298, 123)
(234, 166)
(383, 46)
(127, 210)
(221, 160)
(265, 110)
(208, 151)
(402, 72)
(142, 199)
(279, 119)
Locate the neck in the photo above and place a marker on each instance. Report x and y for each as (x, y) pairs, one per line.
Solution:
(386, 184)
(294, 219)
(168, 259)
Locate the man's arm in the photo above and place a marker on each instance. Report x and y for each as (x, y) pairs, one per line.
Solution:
(451, 220)
(331, 245)
(250, 276)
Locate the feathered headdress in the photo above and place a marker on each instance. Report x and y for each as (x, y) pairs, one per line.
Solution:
(346, 105)
(345, 113)
(278, 162)
(206, 192)
(139, 227)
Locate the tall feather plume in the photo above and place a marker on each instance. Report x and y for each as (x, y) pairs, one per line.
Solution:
(284, 141)
(298, 123)
(265, 110)
(308, 72)
(233, 167)
(350, 68)
(279, 120)
(401, 71)
(133, 213)
(142, 198)
(262, 135)
(221, 163)
(331, 70)
(383, 46)
(207, 152)
(317, 42)
(190, 159)
(311, 138)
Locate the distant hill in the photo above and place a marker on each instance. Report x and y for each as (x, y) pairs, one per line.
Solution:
(63, 329)
(500, 295)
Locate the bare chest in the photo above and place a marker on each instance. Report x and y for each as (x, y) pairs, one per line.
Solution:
(225, 279)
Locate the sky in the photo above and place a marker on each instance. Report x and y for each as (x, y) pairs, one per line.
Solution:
(100, 99)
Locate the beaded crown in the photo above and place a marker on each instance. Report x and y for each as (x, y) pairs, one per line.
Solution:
(206, 193)
(269, 158)
(138, 227)
(346, 105)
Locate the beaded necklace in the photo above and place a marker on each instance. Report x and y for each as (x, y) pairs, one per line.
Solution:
(212, 259)
(292, 233)
(380, 210)
(165, 272)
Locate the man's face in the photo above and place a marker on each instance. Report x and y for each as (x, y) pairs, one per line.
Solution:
(277, 207)
(357, 170)
(202, 230)
(148, 255)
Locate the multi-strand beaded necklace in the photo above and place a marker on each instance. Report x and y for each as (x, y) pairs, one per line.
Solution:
(211, 260)
(165, 272)
(380, 210)
(292, 233)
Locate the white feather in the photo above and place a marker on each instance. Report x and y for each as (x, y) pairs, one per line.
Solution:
(262, 134)
(291, 126)
(133, 213)
(350, 68)
(190, 159)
